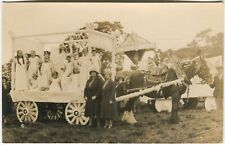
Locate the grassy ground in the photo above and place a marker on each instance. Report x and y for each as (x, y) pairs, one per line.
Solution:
(197, 126)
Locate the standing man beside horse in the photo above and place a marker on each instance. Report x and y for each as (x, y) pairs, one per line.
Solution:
(218, 91)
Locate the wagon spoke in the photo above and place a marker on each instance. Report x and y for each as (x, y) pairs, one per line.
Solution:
(33, 113)
(28, 118)
(22, 104)
(73, 119)
(79, 105)
(82, 105)
(58, 115)
(59, 112)
(72, 107)
(75, 105)
(32, 106)
(20, 113)
(77, 120)
(25, 118)
(70, 111)
(71, 115)
(32, 117)
(22, 117)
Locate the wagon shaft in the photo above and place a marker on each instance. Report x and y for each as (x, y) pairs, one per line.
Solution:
(148, 90)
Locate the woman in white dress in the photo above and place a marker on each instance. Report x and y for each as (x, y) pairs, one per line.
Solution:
(75, 60)
(84, 69)
(21, 80)
(95, 60)
(59, 61)
(46, 71)
(75, 80)
(33, 65)
(66, 77)
(34, 83)
(55, 83)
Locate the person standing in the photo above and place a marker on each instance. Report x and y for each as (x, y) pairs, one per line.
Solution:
(120, 91)
(33, 65)
(46, 71)
(85, 68)
(92, 95)
(66, 77)
(21, 82)
(6, 100)
(95, 60)
(108, 102)
(55, 83)
(218, 91)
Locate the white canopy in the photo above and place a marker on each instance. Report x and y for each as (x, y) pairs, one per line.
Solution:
(135, 42)
(50, 41)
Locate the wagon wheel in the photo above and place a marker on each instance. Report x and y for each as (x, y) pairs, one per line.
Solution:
(74, 113)
(55, 111)
(27, 111)
(210, 104)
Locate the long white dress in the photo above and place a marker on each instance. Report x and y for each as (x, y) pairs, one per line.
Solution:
(21, 80)
(59, 63)
(75, 83)
(66, 78)
(33, 66)
(55, 87)
(95, 61)
(84, 70)
(46, 71)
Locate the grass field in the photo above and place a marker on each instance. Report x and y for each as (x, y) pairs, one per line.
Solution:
(197, 126)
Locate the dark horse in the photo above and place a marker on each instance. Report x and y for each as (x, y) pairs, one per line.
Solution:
(196, 66)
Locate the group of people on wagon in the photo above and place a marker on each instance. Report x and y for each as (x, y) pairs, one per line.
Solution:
(66, 72)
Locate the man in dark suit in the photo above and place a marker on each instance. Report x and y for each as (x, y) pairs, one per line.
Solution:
(218, 91)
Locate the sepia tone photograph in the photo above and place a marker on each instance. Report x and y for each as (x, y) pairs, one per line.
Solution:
(112, 72)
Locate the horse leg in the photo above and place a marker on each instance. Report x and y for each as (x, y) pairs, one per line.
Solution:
(128, 115)
(174, 114)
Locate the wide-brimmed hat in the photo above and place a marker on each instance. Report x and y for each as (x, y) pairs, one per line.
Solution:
(93, 70)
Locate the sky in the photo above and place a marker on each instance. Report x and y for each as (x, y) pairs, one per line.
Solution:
(170, 26)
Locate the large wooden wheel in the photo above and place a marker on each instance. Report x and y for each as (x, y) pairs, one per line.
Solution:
(55, 111)
(27, 111)
(74, 113)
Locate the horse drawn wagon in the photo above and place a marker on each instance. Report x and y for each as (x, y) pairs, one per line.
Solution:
(32, 104)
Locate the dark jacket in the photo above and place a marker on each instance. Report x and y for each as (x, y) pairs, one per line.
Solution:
(109, 110)
(218, 85)
(92, 108)
(136, 79)
(121, 89)
(6, 101)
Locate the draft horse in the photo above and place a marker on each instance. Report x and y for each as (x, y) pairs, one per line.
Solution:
(197, 66)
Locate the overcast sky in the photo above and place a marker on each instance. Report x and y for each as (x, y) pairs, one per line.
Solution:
(171, 26)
